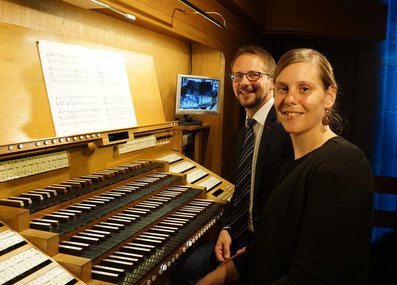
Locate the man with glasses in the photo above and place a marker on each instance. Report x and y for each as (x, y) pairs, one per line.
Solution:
(252, 71)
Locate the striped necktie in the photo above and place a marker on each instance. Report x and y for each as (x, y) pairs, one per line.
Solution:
(241, 197)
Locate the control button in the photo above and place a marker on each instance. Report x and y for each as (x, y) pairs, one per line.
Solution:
(46, 142)
(81, 137)
(68, 139)
(61, 140)
(169, 263)
(177, 255)
(38, 143)
(98, 134)
(10, 147)
(87, 136)
(20, 146)
(75, 138)
(93, 135)
(154, 277)
(54, 141)
(173, 259)
(148, 282)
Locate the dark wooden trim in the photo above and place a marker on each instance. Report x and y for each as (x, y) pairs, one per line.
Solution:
(385, 185)
(385, 219)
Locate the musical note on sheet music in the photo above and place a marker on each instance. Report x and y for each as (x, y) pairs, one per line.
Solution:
(88, 90)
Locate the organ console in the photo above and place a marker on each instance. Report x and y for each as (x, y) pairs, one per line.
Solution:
(101, 207)
(125, 224)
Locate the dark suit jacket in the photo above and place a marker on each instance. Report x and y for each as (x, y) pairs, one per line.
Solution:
(275, 147)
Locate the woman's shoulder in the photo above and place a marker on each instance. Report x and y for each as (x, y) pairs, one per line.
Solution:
(342, 153)
(338, 147)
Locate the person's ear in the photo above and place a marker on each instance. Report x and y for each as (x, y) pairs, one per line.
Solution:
(331, 97)
(271, 84)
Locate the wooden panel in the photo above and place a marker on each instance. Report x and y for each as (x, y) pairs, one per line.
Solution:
(82, 160)
(340, 18)
(170, 55)
(47, 242)
(198, 132)
(170, 18)
(78, 266)
(249, 10)
(386, 185)
(385, 219)
(86, 4)
(211, 62)
(18, 219)
(24, 96)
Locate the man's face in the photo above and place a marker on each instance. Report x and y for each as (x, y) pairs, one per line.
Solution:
(251, 94)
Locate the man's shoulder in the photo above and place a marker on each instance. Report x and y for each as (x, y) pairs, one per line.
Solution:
(277, 130)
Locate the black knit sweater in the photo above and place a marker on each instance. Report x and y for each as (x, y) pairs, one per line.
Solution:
(316, 224)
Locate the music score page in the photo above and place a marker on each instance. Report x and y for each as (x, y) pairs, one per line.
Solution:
(87, 89)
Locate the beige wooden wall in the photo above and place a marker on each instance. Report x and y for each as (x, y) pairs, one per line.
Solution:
(152, 34)
(171, 56)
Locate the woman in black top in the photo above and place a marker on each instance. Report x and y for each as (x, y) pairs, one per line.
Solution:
(316, 224)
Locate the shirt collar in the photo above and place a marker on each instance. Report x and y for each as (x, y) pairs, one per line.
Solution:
(261, 114)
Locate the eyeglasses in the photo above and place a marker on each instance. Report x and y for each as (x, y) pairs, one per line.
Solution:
(251, 76)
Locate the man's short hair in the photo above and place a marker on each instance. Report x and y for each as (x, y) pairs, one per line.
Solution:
(267, 59)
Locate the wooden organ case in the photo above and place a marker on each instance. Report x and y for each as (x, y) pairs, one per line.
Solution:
(108, 211)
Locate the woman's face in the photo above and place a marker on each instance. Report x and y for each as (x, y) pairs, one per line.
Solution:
(300, 98)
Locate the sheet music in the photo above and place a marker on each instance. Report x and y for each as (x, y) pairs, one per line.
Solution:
(88, 90)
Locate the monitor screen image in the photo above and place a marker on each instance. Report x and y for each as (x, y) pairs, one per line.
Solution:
(198, 95)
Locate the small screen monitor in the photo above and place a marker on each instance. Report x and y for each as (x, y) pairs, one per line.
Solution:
(198, 95)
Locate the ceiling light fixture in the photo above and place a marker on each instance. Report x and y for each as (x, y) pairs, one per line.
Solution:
(204, 14)
(126, 15)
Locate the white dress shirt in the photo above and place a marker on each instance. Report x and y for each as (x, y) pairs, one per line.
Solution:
(260, 118)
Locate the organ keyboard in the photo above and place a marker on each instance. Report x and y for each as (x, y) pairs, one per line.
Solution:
(125, 223)
(156, 249)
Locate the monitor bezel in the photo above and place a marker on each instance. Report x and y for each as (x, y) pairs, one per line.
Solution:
(179, 111)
